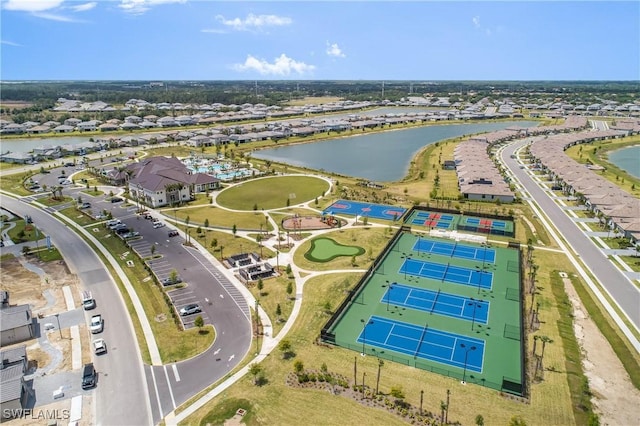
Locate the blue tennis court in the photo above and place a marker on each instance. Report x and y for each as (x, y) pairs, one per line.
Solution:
(453, 274)
(484, 254)
(424, 342)
(433, 216)
(373, 211)
(437, 302)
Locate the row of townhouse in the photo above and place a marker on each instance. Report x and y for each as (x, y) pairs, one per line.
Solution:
(616, 208)
(478, 176)
(53, 152)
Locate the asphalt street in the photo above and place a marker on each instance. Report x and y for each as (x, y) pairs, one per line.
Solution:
(121, 396)
(621, 289)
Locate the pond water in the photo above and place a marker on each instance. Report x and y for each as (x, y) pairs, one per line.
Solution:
(379, 157)
(628, 159)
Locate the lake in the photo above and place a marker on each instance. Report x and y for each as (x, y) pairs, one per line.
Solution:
(627, 159)
(379, 157)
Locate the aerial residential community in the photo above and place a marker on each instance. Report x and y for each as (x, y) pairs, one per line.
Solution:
(294, 239)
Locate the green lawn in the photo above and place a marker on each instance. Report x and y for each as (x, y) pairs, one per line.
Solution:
(272, 192)
(219, 218)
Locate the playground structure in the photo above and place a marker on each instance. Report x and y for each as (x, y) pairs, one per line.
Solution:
(299, 223)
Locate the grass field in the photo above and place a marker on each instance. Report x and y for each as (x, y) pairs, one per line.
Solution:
(272, 192)
(325, 249)
(219, 218)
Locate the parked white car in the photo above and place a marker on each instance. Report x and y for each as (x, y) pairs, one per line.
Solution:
(97, 324)
(99, 346)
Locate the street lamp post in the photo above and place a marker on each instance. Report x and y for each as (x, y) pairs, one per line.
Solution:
(364, 333)
(59, 328)
(466, 353)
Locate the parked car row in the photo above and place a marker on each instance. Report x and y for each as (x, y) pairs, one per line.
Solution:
(99, 346)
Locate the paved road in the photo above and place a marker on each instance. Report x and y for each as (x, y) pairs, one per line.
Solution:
(621, 289)
(121, 396)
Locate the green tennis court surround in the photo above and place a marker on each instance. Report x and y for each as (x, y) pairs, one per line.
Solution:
(452, 308)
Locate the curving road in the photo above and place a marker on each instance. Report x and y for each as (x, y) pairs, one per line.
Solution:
(121, 396)
(619, 287)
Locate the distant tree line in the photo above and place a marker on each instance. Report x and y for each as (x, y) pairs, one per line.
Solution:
(44, 94)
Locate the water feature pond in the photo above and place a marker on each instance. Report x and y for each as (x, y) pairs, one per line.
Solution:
(628, 159)
(379, 157)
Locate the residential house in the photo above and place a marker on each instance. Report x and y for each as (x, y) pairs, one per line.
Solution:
(14, 396)
(16, 324)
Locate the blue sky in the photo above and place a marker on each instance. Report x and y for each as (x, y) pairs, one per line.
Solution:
(319, 40)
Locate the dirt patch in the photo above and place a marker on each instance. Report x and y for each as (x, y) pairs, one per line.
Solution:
(615, 397)
(25, 286)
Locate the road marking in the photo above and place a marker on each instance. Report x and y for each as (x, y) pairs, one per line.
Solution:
(216, 351)
(231, 357)
(221, 296)
(155, 386)
(175, 372)
(173, 401)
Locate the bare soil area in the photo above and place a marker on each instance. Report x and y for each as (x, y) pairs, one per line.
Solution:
(616, 400)
(25, 286)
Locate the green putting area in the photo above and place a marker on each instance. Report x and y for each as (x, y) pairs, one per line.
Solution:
(272, 192)
(325, 249)
(449, 307)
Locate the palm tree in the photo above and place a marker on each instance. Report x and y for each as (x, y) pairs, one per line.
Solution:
(544, 340)
(535, 341)
(380, 364)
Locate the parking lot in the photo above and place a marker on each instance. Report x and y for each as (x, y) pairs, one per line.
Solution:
(182, 297)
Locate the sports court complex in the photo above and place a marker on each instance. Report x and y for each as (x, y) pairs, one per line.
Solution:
(449, 306)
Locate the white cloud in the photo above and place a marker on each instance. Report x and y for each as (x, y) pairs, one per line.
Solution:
(281, 66)
(55, 17)
(476, 21)
(10, 43)
(138, 7)
(254, 22)
(84, 7)
(31, 5)
(213, 31)
(334, 50)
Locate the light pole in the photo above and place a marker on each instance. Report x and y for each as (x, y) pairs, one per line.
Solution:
(389, 288)
(59, 329)
(466, 353)
(364, 333)
(475, 305)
